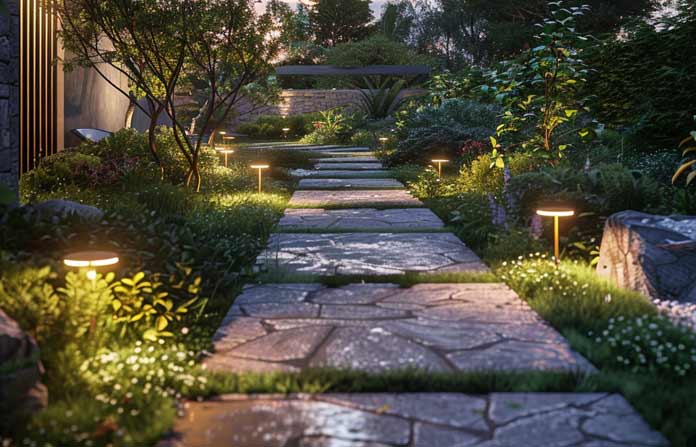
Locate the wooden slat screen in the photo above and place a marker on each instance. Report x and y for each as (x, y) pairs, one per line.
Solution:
(38, 82)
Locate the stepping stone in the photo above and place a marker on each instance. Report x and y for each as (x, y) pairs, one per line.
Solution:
(349, 159)
(381, 173)
(382, 327)
(348, 166)
(339, 149)
(368, 198)
(360, 218)
(334, 183)
(414, 419)
(368, 254)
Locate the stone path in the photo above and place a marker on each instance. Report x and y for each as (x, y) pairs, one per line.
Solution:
(414, 419)
(381, 327)
(363, 218)
(356, 183)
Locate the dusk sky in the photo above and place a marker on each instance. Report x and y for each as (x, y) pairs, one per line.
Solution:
(376, 5)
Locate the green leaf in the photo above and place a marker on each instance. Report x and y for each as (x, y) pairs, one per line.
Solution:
(494, 142)
(500, 163)
(162, 323)
(569, 113)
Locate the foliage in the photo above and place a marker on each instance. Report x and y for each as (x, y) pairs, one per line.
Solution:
(441, 130)
(381, 100)
(329, 129)
(339, 21)
(271, 126)
(542, 89)
(642, 82)
(649, 345)
(687, 166)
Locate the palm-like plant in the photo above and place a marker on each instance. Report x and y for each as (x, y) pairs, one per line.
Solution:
(381, 99)
(689, 147)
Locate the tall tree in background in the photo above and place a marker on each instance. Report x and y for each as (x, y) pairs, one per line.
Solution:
(339, 21)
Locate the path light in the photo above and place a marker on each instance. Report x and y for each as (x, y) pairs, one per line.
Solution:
(556, 213)
(285, 132)
(439, 162)
(225, 152)
(260, 167)
(383, 141)
(91, 260)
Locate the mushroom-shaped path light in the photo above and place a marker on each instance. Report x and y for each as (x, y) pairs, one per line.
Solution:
(91, 260)
(439, 162)
(556, 213)
(260, 168)
(225, 152)
(285, 132)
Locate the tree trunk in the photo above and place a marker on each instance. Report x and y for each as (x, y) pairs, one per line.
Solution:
(152, 136)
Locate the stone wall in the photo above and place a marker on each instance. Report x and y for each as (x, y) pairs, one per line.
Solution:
(297, 102)
(9, 96)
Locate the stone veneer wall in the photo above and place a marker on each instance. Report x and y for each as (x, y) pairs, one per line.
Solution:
(9, 96)
(297, 102)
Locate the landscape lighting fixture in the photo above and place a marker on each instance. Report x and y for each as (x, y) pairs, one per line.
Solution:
(439, 162)
(285, 132)
(260, 168)
(225, 152)
(91, 260)
(556, 213)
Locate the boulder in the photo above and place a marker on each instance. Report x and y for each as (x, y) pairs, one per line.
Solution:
(21, 391)
(65, 208)
(651, 254)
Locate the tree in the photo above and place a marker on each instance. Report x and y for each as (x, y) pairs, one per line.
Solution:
(213, 49)
(338, 21)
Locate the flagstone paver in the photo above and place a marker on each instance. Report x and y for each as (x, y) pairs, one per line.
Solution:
(358, 183)
(412, 419)
(349, 159)
(381, 327)
(382, 173)
(368, 254)
(360, 218)
(348, 166)
(353, 198)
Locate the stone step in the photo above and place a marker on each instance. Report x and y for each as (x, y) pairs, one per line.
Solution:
(360, 218)
(413, 419)
(340, 149)
(367, 254)
(364, 183)
(378, 173)
(348, 159)
(379, 328)
(348, 166)
(375, 198)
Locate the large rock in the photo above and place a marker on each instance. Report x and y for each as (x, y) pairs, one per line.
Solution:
(651, 254)
(65, 208)
(21, 392)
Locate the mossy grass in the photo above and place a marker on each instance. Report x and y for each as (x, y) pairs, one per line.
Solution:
(405, 280)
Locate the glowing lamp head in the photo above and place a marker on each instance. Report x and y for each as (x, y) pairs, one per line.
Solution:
(225, 151)
(91, 260)
(555, 212)
(222, 132)
(383, 139)
(260, 166)
(439, 160)
(286, 129)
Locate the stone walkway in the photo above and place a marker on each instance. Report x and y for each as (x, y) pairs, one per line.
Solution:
(382, 327)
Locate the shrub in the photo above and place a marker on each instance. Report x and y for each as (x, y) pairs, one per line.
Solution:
(271, 126)
(442, 130)
(483, 177)
(63, 169)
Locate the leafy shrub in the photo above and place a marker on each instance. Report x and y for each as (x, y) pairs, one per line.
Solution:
(483, 176)
(330, 129)
(271, 126)
(441, 130)
(65, 168)
(472, 219)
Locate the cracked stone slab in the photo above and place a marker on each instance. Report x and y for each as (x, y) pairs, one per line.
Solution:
(381, 173)
(365, 166)
(400, 419)
(358, 326)
(360, 218)
(368, 254)
(364, 183)
(357, 198)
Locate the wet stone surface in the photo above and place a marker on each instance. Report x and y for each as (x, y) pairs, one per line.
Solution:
(361, 218)
(364, 166)
(340, 173)
(362, 327)
(367, 253)
(349, 159)
(356, 198)
(411, 419)
(365, 183)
